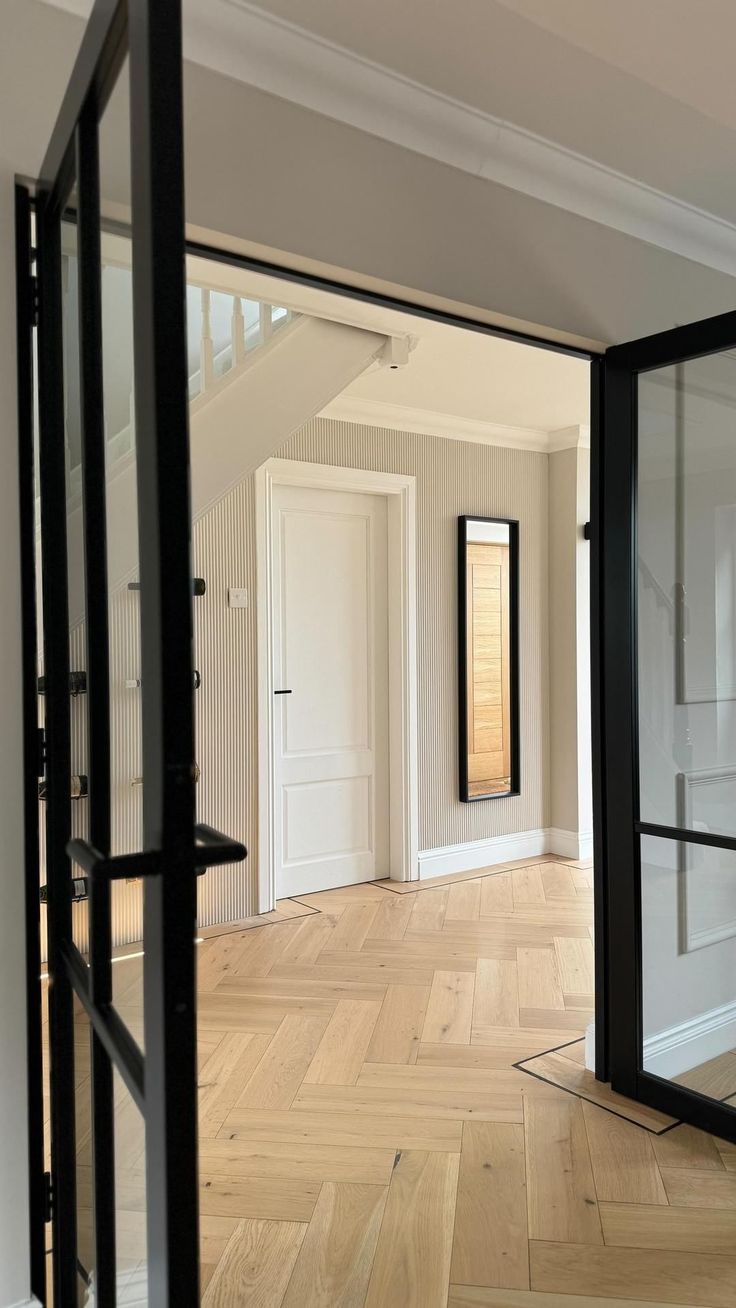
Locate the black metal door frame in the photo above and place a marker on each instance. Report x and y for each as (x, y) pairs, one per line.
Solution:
(163, 1083)
(620, 776)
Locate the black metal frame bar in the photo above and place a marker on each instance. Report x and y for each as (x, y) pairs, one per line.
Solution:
(27, 496)
(597, 722)
(163, 1084)
(98, 688)
(462, 645)
(621, 790)
(201, 250)
(58, 754)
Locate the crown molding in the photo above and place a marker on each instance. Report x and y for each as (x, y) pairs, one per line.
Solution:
(427, 422)
(244, 42)
(569, 438)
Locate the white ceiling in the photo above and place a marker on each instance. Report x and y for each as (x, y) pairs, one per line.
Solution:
(484, 379)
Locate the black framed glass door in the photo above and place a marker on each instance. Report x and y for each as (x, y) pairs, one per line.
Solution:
(668, 649)
(113, 175)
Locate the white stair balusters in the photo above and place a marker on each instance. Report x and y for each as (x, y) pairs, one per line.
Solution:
(207, 346)
(238, 331)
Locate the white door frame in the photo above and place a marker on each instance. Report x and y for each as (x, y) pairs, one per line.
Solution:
(400, 492)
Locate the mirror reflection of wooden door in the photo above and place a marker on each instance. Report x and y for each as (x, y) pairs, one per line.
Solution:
(488, 670)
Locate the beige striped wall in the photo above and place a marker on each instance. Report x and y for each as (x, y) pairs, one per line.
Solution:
(452, 478)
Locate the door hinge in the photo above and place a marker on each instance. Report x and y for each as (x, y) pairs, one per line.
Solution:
(41, 752)
(48, 1197)
(35, 300)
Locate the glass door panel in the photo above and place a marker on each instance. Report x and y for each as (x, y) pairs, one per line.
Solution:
(688, 980)
(686, 583)
(669, 677)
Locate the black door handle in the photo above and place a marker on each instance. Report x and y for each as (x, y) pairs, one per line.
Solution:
(282, 692)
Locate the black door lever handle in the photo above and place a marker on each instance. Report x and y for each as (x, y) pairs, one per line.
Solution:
(282, 692)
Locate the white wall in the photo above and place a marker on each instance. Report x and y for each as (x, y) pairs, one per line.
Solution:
(571, 801)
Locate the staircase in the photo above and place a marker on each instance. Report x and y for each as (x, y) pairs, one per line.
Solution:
(224, 332)
(257, 372)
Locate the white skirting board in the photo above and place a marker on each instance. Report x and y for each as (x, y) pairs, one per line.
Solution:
(570, 844)
(502, 849)
(689, 1044)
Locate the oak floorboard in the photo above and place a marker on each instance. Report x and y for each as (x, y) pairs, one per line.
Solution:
(411, 1268)
(539, 983)
(496, 999)
(561, 1191)
(476, 1296)
(343, 1047)
(224, 1076)
(279, 1074)
(392, 918)
(463, 902)
(491, 1196)
(305, 1162)
(398, 1031)
(275, 1198)
(649, 1226)
(256, 1265)
(622, 1155)
(686, 1146)
(450, 1008)
(496, 894)
(687, 1187)
(665, 1276)
(335, 1259)
(379, 1131)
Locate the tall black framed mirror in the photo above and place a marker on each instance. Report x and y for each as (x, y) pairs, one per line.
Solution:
(488, 657)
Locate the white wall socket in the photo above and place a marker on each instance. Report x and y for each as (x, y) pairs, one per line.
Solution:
(237, 597)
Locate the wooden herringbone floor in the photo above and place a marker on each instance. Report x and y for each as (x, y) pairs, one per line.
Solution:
(367, 1142)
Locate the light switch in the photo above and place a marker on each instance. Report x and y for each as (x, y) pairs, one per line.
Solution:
(237, 597)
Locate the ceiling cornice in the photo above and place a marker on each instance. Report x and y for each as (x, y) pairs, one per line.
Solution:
(243, 41)
(427, 422)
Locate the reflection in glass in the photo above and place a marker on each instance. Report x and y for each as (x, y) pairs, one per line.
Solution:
(689, 997)
(686, 624)
(487, 652)
(76, 582)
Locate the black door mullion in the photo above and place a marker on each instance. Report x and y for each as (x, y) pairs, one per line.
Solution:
(58, 768)
(164, 516)
(617, 644)
(31, 752)
(98, 688)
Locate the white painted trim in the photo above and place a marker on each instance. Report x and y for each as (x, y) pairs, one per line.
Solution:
(691, 1043)
(447, 859)
(569, 438)
(400, 491)
(481, 853)
(570, 844)
(428, 422)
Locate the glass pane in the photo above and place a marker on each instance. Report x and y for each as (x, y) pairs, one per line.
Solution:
(75, 557)
(118, 373)
(687, 594)
(130, 1197)
(83, 1124)
(688, 902)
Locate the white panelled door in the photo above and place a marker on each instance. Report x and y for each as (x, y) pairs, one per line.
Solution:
(330, 651)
